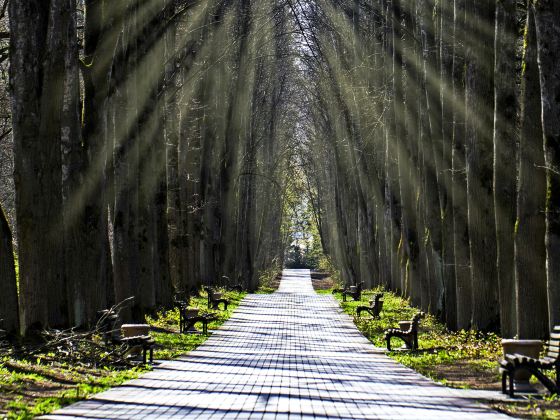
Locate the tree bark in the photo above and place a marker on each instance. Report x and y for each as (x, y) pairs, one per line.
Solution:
(78, 280)
(530, 226)
(547, 23)
(101, 33)
(459, 182)
(9, 310)
(37, 57)
(505, 152)
(479, 158)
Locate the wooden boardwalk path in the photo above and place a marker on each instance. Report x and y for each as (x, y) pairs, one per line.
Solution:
(291, 354)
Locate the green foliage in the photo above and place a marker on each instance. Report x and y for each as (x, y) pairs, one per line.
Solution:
(303, 242)
(268, 278)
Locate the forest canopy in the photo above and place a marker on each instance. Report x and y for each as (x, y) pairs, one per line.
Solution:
(155, 146)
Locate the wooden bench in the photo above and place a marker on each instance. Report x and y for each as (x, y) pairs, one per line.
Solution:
(236, 288)
(551, 361)
(409, 336)
(214, 299)
(110, 325)
(354, 291)
(374, 308)
(188, 318)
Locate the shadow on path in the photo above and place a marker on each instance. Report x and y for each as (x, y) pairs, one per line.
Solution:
(291, 354)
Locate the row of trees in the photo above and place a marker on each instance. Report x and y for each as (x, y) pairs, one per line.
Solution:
(434, 139)
(149, 140)
(154, 143)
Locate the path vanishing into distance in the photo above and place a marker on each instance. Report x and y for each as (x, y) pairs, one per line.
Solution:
(290, 354)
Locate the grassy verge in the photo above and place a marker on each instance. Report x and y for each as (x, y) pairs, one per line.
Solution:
(462, 359)
(29, 388)
(165, 326)
(37, 386)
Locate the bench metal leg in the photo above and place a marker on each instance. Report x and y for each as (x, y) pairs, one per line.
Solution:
(511, 390)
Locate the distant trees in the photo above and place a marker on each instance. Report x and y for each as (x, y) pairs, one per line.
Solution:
(434, 116)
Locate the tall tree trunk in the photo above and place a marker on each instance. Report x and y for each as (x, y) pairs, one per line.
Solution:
(459, 184)
(37, 57)
(505, 173)
(479, 152)
(172, 117)
(125, 166)
(547, 23)
(409, 166)
(446, 101)
(101, 32)
(530, 227)
(9, 310)
(78, 281)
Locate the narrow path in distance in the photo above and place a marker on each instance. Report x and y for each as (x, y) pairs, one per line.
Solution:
(293, 354)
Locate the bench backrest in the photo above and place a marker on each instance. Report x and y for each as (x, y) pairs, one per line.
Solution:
(179, 303)
(553, 350)
(415, 322)
(210, 292)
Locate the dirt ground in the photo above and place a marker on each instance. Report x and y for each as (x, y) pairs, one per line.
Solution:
(321, 280)
(461, 375)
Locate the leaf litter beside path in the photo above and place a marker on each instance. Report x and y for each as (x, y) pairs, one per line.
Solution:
(39, 384)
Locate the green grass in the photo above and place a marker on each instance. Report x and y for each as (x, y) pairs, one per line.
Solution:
(438, 346)
(30, 388)
(463, 359)
(18, 388)
(174, 344)
(265, 290)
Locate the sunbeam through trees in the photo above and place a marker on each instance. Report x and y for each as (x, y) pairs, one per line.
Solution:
(155, 146)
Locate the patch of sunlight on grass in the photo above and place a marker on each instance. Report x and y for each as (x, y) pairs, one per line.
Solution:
(172, 344)
(439, 347)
